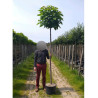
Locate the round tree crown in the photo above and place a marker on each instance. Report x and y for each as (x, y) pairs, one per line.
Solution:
(50, 17)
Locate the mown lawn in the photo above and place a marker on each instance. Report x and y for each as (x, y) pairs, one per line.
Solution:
(77, 82)
(20, 75)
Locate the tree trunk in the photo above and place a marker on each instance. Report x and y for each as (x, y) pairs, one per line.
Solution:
(50, 59)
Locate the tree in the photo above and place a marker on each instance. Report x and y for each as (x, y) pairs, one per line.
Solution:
(20, 38)
(73, 36)
(50, 17)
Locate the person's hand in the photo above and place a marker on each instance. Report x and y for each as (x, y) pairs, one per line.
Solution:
(34, 68)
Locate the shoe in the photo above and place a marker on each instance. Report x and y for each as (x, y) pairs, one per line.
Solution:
(36, 90)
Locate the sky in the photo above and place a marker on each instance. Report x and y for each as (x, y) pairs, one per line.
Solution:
(25, 17)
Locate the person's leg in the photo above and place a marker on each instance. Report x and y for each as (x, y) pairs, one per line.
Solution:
(44, 75)
(38, 75)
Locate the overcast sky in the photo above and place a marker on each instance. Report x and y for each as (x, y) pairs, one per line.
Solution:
(25, 17)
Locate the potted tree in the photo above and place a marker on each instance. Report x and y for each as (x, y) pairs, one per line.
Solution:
(50, 17)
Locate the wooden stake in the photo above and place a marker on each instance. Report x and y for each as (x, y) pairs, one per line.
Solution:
(72, 55)
(80, 61)
(65, 53)
(69, 57)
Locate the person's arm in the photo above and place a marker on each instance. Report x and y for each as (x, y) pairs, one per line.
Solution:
(35, 59)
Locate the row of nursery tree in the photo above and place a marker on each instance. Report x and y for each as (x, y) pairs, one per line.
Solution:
(73, 36)
(20, 38)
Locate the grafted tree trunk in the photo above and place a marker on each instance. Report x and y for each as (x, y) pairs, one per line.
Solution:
(50, 59)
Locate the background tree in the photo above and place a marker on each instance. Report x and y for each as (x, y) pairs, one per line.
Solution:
(50, 17)
(20, 38)
(73, 36)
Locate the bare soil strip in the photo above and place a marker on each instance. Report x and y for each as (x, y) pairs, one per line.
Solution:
(30, 86)
(66, 90)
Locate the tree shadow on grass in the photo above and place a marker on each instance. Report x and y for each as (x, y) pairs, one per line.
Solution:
(18, 95)
(20, 74)
(22, 86)
(67, 89)
(24, 75)
(21, 96)
(57, 92)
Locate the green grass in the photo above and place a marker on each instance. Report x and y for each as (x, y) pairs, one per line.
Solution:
(20, 75)
(77, 82)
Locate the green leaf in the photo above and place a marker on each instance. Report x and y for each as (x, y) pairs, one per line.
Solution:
(49, 17)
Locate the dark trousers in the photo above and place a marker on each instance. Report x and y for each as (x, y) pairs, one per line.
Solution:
(41, 67)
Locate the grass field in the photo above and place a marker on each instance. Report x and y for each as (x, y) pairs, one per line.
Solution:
(20, 74)
(77, 82)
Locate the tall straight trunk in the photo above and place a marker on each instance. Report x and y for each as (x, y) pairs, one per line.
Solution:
(50, 59)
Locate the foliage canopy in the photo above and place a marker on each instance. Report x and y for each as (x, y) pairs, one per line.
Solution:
(20, 38)
(50, 17)
(73, 36)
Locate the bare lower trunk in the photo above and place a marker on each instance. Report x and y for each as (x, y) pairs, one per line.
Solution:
(50, 59)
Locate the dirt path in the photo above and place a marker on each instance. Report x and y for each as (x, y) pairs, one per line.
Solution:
(62, 84)
(30, 86)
